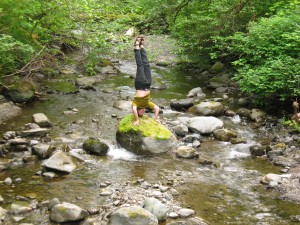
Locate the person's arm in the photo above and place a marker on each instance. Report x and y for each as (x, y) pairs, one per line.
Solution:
(156, 113)
(136, 116)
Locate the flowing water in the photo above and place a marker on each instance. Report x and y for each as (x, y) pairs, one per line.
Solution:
(230, 193)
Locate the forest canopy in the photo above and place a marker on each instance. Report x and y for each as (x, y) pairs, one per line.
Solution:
(257, 39)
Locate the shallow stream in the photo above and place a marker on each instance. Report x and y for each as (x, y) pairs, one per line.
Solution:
(228, 194)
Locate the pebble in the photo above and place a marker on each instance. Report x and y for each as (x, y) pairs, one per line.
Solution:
(184, 212)
(173, 215)
(8, 181)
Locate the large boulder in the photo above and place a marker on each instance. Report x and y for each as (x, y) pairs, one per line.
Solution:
(21, 91)
(149, 137)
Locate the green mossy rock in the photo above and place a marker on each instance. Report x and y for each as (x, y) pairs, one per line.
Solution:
(21, 91)
(95, 146)
(149, 137)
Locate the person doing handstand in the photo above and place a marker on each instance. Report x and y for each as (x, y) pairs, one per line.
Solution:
(142, 83)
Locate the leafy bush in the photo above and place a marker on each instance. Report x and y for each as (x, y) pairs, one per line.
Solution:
(269, 57)
(13, 54)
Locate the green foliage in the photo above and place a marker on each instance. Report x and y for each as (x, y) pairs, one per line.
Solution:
(13, 54)
(268, 63)
(292, 124)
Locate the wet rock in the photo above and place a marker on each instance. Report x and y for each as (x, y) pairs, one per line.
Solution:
(210, 108)
(7, 181)
(20, 208)
(204, 125)
(243, 102)
(53, 202)
(3, 213)
(189, 221)
(95, 146)
(257, 115)
(18, 141)
(41, 119)
(60, 161)
(123, 105)
(238, 140)
(205, 160)
(8, 110)
(67, 212)
(191, 138)
(49, 175)
(21, 91)
(229, 113)
(154, 206)
(184, 212)
(186, 152)
(244, 112)
(257, 150)
(108, 69)
(1, 199)
(195, 92)
(181, 130)
(39, 132)
(281, 161)
(182, 104)
(216, 68)
(149, 137)
(271, 177)
(224, 134)
(43, 151)
(133, 215)
(273, 154)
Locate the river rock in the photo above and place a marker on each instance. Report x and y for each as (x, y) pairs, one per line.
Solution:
(123, 105)
(271, 177)
(257, 115)
(8, 110)
(154, 206)
(86, 83)
(133, 215)
(224, 134)
(95, 146)
(258, 150)
(21, 91)
(189, 221)
(195, 92)
(67, 212)
(38, 132)
(108, 69)
(181, 130)
(210, 108)
(149, 137)
(182, 104)
(184, 212)
(42, 150)
(186, 152)
(216, 68)
(205, 125)
(3, 213)
(60, 161)
(20, 208)
(41, 119)
(18, 141)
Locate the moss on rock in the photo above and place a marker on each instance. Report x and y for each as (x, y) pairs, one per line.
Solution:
(148, 127)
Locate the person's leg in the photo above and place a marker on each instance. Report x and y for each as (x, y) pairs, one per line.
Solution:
(146, 63)
(140, 73)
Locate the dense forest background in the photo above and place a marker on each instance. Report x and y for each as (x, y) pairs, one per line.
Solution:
(259, 40)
